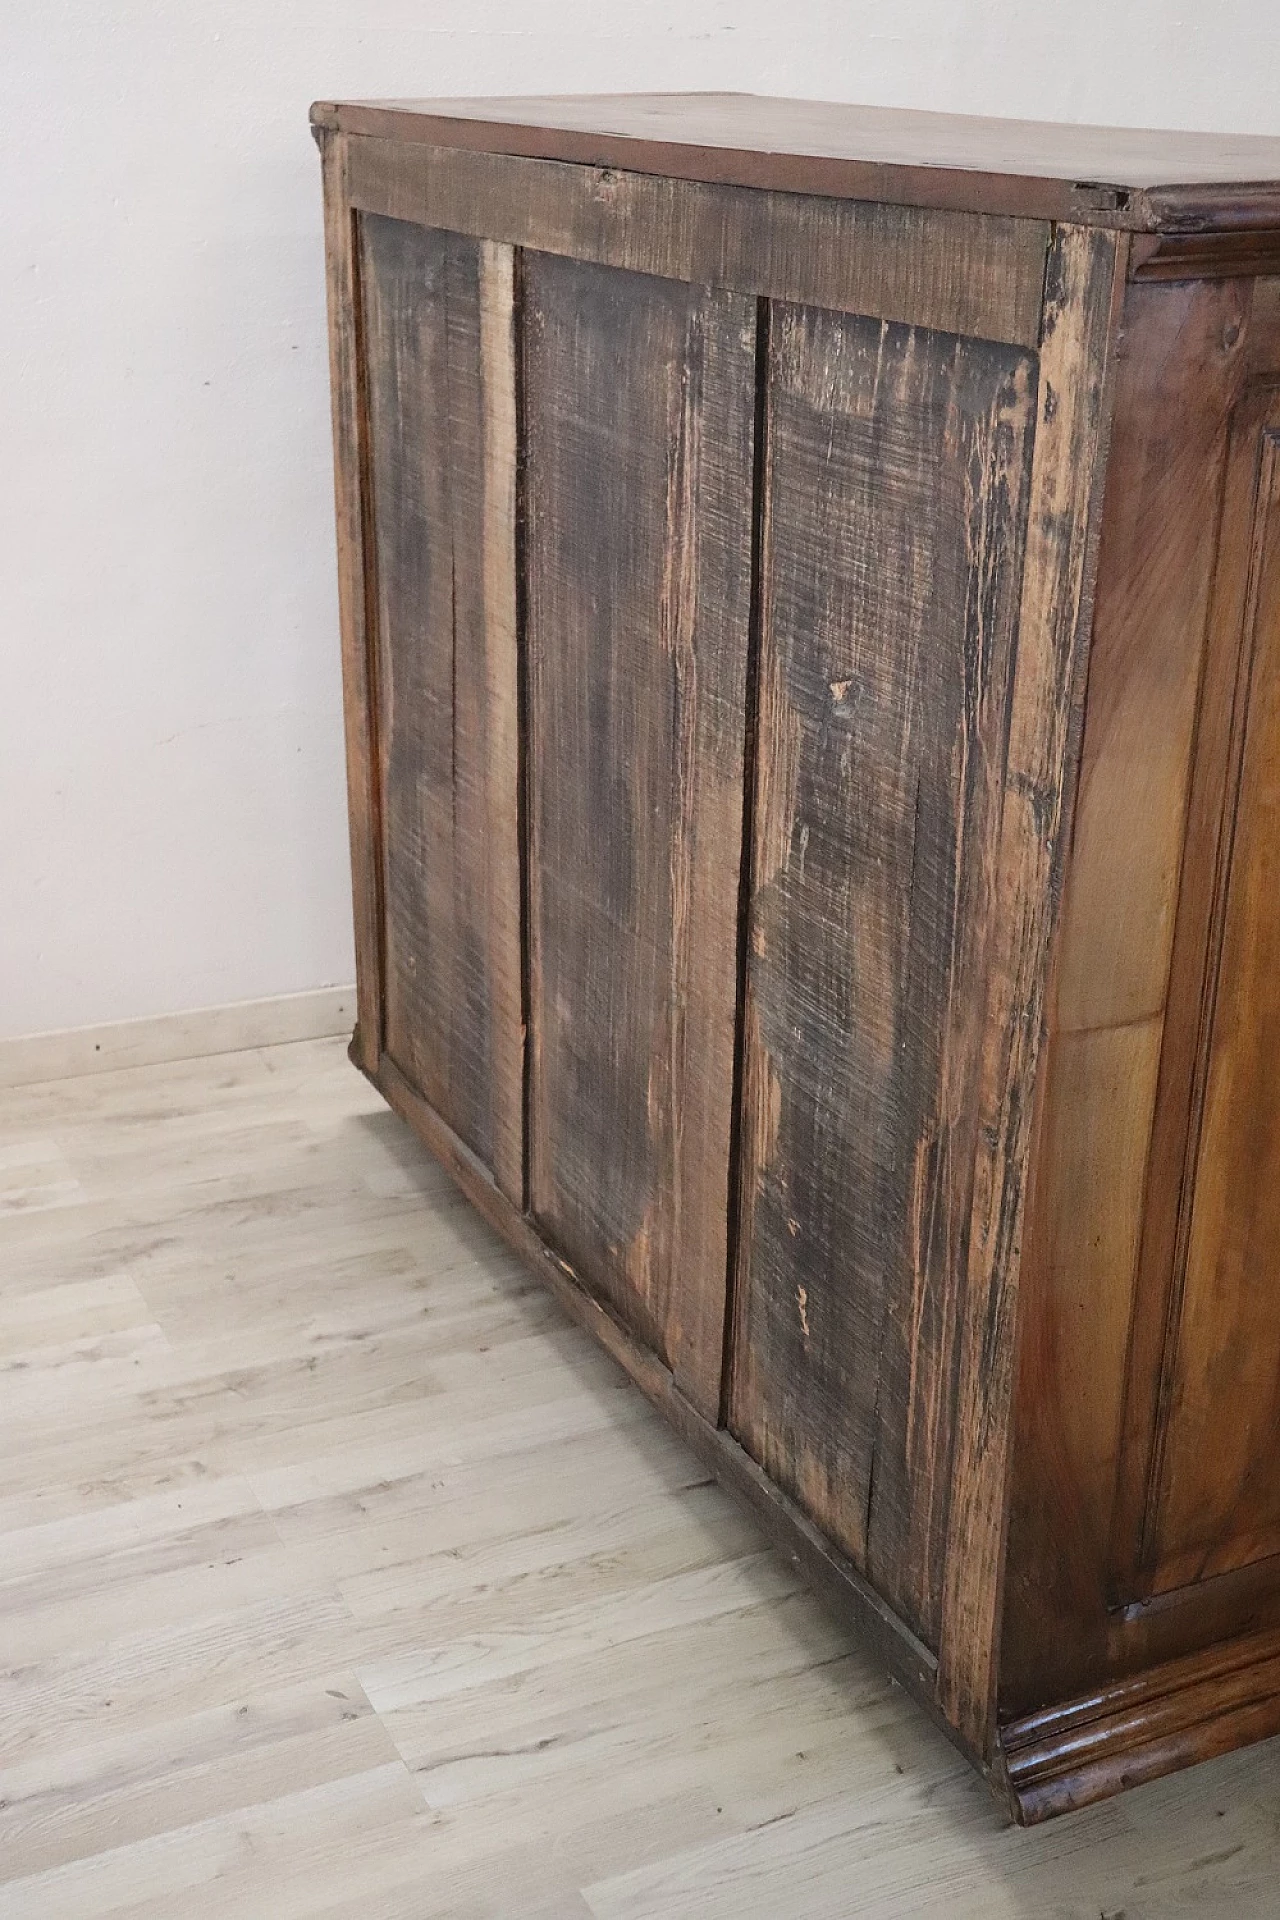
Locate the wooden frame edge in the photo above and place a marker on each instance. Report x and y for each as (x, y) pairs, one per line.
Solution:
(897, 183)
(351, 505)
(1084, 294)
(954, 271)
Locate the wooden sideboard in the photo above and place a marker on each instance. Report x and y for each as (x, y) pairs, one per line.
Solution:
(810, 588)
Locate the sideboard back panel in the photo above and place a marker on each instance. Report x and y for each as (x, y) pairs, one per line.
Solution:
(639, 409)
(897, 478)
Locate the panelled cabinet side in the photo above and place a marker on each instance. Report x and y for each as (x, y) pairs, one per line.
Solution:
(1141, 1634)
(1183, 362)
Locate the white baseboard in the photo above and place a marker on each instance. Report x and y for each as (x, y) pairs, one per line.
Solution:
(177, 1036)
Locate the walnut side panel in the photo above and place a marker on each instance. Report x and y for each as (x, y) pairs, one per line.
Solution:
(1215, 1494)
(440, 381)
(639, 422)
(1180, 362)
(896, 483)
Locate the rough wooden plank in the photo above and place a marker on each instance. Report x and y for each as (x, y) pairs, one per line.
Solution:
(440, 358)
(896, 480)
(502, 774)
(639, 409)
(974, 274)
(1181, 359)
(1082, 292)
(411, 582)
(480, 478)
(348, 455)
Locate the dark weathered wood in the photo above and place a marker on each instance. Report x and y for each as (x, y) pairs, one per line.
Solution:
(1083, 288)
(498, 645)
(883, 702)
(1181, 360)
(969, 273)
(349, 448)
(639, 423)
(1109, 176)
(440, 383)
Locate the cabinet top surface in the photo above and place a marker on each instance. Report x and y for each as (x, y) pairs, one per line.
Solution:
(1115, 176)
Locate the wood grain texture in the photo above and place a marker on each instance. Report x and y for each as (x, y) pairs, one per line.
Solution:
(640, 418)
(1134, 1730)
(439, 337)
(884, 692)
(980, 275)
(1082, 291)
(1180, 362)
(347, 401)
(1184, 1059)
(1215, 1497)
(1109, 176)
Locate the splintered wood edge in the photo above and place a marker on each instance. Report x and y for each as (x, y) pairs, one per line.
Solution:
(1083, 294)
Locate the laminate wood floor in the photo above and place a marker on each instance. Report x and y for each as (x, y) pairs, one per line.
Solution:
(339, 1575)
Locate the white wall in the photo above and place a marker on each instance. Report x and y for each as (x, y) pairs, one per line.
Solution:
(170, 757)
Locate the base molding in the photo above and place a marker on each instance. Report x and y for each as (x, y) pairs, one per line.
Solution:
(1045, 1763)
(70, 1051)
(1168, 1717)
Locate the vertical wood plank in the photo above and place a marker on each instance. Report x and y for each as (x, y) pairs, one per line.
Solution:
(357, 685)
(639, 460)
(439, 326)
(480, 480)
(411, 572)
(1084, 283)
(896, 484)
